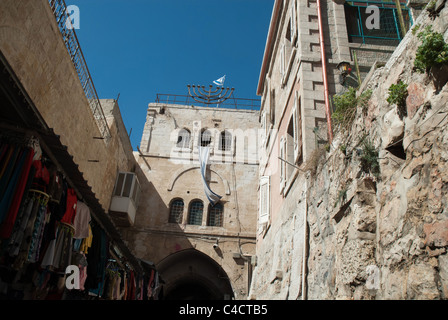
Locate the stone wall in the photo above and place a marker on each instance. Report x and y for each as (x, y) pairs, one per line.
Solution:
(168, 172)
(32, 43)
(385, 237)
(369, 236)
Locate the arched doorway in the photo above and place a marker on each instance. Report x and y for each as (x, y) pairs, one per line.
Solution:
(192, 275)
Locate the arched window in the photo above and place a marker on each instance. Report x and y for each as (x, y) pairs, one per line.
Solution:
(206, 138)
(195, 212)
(215, 214)
(176, 211)
(183, 139)
(225, 141)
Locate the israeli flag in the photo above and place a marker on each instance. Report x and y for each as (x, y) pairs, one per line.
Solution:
(204, 153)
(220, 81)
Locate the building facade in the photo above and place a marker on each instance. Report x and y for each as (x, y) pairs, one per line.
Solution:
(308, 45)
(201, 249)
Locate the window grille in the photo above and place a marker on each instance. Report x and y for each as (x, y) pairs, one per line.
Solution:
(225, 141)
(176, 211)
(183, 139)
(195, 214)
(215, 215)
(206, 138)
(389, 31)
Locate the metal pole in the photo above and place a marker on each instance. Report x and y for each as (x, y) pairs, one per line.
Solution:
(400, 18)
(358, 74)
(324, 72)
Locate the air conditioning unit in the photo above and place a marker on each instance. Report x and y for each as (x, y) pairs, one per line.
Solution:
(125, 198)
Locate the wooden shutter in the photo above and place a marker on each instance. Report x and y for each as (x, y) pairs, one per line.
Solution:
(264, 200)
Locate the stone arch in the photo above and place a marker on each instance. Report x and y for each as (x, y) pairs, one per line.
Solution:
(180, 172)
(192, 275)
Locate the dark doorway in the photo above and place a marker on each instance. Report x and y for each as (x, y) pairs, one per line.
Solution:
(192, 275)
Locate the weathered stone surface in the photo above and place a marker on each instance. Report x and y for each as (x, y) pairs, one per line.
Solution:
(421, 283)
(394, 127)
(436, 234)
(443, 267)
(416, 97)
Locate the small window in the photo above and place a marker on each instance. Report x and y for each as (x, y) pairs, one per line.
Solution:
(183, 139)
(195, 214)
(215, 214)
(206, 138)
(225, 141)
(176, 211)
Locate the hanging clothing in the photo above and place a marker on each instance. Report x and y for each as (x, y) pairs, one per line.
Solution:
(59, 251)
(21, 184)
(14, 175)
(81, 221)
(96, 259)
(70, 211)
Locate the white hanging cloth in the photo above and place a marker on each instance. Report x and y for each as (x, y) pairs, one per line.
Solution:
(204, 153)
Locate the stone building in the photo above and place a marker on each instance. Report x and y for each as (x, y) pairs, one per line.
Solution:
(201, 250)
(314, 50)
(80, 144)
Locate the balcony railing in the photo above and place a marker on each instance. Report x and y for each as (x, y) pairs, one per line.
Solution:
(70, 39)
(231, 103)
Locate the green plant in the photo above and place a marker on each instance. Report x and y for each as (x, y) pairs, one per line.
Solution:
(343, 148)
(415, 29)
(345, 106)
(397, 95)
(431, 5)
(433, 51)
(369, 158)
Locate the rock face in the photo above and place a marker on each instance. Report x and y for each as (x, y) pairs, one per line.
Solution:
(396, 224)
(375, 236)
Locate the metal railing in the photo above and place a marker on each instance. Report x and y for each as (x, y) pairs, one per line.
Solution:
(231, 103)
(389, 17)
(70, 39)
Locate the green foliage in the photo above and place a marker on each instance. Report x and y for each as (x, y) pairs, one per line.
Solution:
(343, 148)
(432, 52)
(397, 95)
(345, 106)
(369, 159)
(415, 29)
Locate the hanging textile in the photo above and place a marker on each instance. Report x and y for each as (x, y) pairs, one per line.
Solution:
(81, 221)
(204, 153)
(14, 188)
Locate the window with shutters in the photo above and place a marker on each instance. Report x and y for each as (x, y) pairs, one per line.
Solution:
(293, 22)
(264, 206)
(289, 152)
(287, 49)
(283, 62)
(282, 163)
(297, 129)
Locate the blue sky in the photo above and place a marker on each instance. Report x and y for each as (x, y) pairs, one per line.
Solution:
(138, 48)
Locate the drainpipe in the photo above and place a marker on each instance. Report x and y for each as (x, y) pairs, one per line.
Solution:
(305, 248)
(324, 71)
